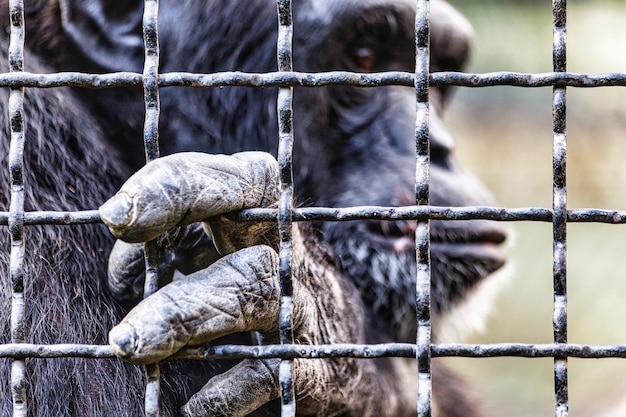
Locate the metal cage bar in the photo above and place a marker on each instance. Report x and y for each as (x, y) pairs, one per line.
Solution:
(16, 208)
(284, 49)
(313, 80)
(343, 350)
(535, 214)
(151, 144)
(559, 220)
(422, 233)
(16, 218)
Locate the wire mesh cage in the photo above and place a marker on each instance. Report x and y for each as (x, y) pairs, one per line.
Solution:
(17, 219)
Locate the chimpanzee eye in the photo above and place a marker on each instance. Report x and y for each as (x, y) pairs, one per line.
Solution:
(364, 57)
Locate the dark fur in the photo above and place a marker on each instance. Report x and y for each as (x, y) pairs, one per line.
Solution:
(353, 147)
(71, 166)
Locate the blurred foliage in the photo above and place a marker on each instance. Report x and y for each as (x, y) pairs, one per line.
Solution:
(504, 136)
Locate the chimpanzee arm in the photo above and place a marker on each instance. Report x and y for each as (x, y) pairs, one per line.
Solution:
(241, 292)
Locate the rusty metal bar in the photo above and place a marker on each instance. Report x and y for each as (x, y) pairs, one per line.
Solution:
(286, 79)
(300, 79)
(407, 350)
(422, 233)
(150, 83)
(284, 49)
(343, 350)
(68, 218)
(559, 221)
(16, 207)
(434, 213)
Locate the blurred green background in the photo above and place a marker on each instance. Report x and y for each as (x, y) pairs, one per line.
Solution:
(504, 137)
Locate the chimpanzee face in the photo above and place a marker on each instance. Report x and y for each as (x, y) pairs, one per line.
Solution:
(356, 146)
(353, 146)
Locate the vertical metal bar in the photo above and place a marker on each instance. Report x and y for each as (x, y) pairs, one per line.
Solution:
(150, 79)
(559, 225)
(16, 208)
(422, 234)
(151, 143)
(285, 147)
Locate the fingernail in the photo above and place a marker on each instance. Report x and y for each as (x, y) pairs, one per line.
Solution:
(117, 211)
(124, 340)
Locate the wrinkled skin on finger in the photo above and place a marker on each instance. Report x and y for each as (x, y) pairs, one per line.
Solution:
(239, 293)
(190, 187)
(183, 250)
(173, 192)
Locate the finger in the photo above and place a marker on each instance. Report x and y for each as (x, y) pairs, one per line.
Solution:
(185, 249)
(253, 383)
(238, 293)
(127, 271)
(189, 187)
(237, 392)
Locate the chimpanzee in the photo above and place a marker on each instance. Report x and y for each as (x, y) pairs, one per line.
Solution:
(353, 281)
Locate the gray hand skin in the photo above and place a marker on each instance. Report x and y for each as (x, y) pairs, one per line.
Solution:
(184, 249)
(239, 291)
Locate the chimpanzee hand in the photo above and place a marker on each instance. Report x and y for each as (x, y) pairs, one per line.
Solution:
(187, 248)
(240, 292)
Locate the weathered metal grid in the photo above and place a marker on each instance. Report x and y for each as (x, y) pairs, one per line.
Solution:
(285, 204)
(151, 145)
(559, 207)
(559, 215)
(16, 207)
(422, 232)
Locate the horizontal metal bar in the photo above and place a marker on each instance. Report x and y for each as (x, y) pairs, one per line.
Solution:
(434, 213)
(360, 213)
(300, 79)
(405, 350)
(56, 217)
(71, 79)
(516, 79)
(402, 213)
(291, 351)
(28, 350)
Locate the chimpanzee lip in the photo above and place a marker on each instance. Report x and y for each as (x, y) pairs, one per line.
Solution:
(480, 245)
(475, 250)
(484, 248)
(487, 252)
